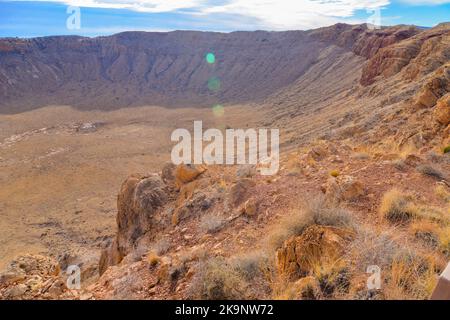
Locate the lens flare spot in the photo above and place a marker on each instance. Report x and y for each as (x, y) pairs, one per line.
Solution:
(214, 84)
(210, 58)
(218, 110)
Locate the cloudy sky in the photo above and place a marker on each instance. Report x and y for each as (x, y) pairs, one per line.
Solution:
(102, 17)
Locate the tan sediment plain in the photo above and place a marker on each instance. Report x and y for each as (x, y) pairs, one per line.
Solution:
(59, 176)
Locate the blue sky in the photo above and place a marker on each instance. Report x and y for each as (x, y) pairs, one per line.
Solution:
(104, 17)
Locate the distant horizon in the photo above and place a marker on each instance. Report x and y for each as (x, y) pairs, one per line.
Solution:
(220, 32)
(39, 18)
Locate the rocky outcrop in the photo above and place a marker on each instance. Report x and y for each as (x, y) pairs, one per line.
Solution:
(442, 111)
(316, 246)
(419, 55)
(362, 40)
(138, 201)
(388, 62)
(186, 173)
(434, 88)
(30, 277)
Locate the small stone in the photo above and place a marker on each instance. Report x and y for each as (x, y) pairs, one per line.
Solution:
(16, 291)
(57, 288)
(11, 277)
(344, 188)
(86, 296)
(250, 207)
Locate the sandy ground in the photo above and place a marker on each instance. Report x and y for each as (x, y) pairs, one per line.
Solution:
(58, 184)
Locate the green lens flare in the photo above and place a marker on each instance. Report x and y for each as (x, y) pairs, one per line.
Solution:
(218, 110)
(210, 58)
(214, 84)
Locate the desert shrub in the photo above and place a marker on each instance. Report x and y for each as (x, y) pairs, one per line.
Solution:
(373, 248)
(434, 214)
(400, 164)
(442, 193)
(307, 288)
(216, 279)
(427, 232)
(253, 264)
(320, 212)
(334, 279)
(446, 150)
(334, 173)
(432, 171)
(397, 207)
(317, 211)
(211, 223)
(153, 259)
(412, 275)
(433, 156)
(405, 272)
(327, 280)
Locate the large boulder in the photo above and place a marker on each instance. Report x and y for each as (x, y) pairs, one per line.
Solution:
(434, 88)
(316, 246)
(139, 199)
(442, 111)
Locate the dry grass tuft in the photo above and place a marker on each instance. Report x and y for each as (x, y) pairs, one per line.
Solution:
(307, 288)
(434, 214)
(216, 279)
(373, 248)
(317, 211)
(400, 164)
(426, 231)
(412, 275)
(153, 259)
(397, 207)
(434, 157)
(405, 272)
(444, 241)
(252, 265)
(333, 278)
(432, 171)
(442, 193)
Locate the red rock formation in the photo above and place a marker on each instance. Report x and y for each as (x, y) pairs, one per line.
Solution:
(139, 199)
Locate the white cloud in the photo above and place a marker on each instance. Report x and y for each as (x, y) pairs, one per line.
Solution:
(425, 2)
(137, 5)
(271, 14)
(285, 14)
